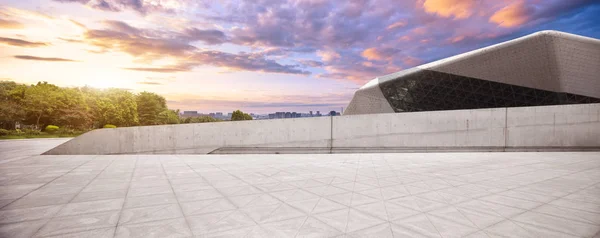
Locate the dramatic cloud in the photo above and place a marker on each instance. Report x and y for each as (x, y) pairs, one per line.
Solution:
(244, 61)
(21, 43)
(458, 9)
(396, 25)
(379, 54)
(141, 6)
(513, 15)
(311, 63)
(211, 37)
(9, 24)
(28, 57)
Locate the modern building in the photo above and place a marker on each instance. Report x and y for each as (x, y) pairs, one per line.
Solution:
(545, 68)
(190, 114)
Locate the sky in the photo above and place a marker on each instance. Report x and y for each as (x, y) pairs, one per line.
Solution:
(258, 56)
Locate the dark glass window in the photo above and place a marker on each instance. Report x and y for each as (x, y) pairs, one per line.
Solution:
(425, 90)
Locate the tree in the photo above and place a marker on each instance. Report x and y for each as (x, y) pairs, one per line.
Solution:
(11, 110)
(168, 117)
(149, 106)
(200, 119)
(240, 116)
(41, 100)
(114, 106)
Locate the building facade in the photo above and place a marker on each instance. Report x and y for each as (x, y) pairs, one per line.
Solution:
(545, 68)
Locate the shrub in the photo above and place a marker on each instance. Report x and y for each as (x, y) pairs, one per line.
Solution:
(31, 132)
(66, 131)
(51, 129)
(4, 132)
(16, 132)
(109, 126)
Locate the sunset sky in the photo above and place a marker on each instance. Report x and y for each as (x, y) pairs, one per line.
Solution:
(258, 55)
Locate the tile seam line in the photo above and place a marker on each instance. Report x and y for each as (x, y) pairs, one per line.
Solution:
(174, 194)
(126, 193)
(64, 205)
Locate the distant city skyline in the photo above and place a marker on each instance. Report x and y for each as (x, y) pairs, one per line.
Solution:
(258, 56)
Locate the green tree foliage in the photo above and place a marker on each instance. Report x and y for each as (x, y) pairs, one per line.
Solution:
(10, 104)
(149, 106)
(240, 116)
(168, 117)
(83, 108)
(200, 119)
(40, 101)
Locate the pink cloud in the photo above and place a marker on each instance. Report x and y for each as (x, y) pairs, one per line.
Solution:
(513, 15)
(459, 9)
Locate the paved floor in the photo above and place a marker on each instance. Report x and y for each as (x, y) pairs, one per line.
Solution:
(341, 195)
(11, 150)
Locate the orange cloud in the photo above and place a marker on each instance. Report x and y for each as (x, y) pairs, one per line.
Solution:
(459, 9)
(396, 25)
(10, 24)
(379, 54)
(411, 61)
(328, 55)
(512, 15)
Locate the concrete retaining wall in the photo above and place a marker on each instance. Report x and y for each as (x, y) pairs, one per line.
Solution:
(498, 129)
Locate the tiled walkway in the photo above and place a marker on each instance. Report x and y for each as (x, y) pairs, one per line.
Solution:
(343, 195)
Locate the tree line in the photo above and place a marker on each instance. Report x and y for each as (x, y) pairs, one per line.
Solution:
(85, 108)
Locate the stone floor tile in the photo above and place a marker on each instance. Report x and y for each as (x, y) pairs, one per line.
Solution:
(414, 226)
(325, 205)
(21, 229)
(94, 233)
(306, 206)
(313, 228)
(206, 206)
(284, 212)
(138, 192)
(164, 228)
(79, 223)
(152, 213)
(293, 195)
(577, 205)
(196, 195)
(376, 209)
(508, 228)
(283, 228)
(336, 219)
(220, 221)
(571, 214)
(450, 228)
(379, 231)
(38, 201)
(418, 203)
(91, 207)
(28, 214)
(150, 200)
(102, 195)
(558, 224)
